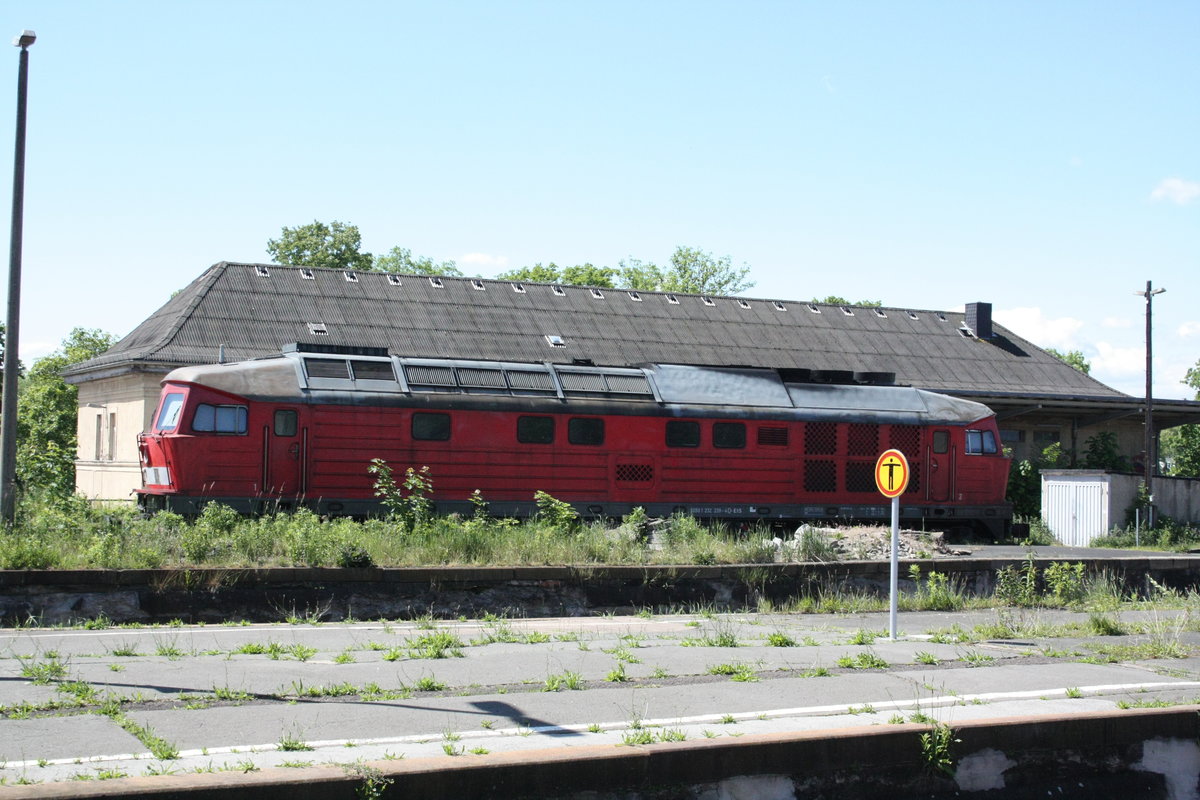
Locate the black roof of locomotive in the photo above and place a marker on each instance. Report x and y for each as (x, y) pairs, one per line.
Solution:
(252, 311)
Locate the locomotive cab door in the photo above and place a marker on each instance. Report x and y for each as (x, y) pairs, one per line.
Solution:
(283, 456)
(939, 465)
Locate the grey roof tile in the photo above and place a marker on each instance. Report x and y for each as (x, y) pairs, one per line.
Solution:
(254, 316)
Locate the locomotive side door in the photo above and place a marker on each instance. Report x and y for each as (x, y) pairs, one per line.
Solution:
(283, 456)
(939, 465)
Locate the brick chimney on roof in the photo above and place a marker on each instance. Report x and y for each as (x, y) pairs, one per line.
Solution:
(979, 320)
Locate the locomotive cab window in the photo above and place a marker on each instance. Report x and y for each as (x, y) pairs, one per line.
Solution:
(285, 422)
(168, 418)
(431, 427)
(585, 430)
(535, 430)
(941, 441)
(681, 433)
(730, 435)
(981, 442)
(219, 419)
(326, 368)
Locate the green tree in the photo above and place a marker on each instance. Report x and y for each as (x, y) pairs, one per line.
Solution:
(578, 275)
(47, 414)
(692, 271)
(1181, 445)
(401, 259)
(834, 300)
(1073, 357)
(589, 275)
(336, 245)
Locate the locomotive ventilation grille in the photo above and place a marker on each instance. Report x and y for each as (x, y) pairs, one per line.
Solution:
(776, 437)
(635, 473)
(820, 438)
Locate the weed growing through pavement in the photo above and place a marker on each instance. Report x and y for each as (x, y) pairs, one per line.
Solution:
(867, 660)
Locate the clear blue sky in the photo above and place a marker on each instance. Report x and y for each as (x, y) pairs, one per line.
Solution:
(1041, 156)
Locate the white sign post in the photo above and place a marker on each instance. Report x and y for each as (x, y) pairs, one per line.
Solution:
(891, 477)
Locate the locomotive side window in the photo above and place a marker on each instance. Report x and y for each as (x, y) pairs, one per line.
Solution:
(941, 441)
(431, 427)
(681, 433)
(219, 419)
(585, 430)
(729, 434)
(981, 442)
(168, 418)
(285, 422)
(535, 430)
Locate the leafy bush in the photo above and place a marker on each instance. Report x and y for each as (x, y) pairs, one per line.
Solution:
(1018, 586)
(1064, 581)
(555, 512)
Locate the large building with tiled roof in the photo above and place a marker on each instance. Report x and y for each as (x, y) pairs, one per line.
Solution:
(241, 311)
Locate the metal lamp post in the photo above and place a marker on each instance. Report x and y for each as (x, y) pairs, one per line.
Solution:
(8, 413)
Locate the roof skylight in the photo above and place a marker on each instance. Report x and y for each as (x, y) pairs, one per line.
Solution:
(436, 283)
(262, 271)
(394, 280)
(307, 274)
(350, 275)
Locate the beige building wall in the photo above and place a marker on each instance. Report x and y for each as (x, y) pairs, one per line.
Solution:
(1027, 436)
(112, 412)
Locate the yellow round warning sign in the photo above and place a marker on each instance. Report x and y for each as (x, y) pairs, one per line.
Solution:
(891, 473)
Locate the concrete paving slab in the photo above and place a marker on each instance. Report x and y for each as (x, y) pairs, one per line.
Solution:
(67, 737)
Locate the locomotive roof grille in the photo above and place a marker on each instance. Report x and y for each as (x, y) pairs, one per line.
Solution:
(424, 375)
(582, 382)
(484, 378)
(628, 384)
(529, 380)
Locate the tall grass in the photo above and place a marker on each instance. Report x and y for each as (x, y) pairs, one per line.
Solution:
(75, 534)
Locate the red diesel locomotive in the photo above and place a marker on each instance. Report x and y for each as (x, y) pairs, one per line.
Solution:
(300, 429)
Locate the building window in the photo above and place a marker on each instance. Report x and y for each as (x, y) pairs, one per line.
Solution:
(431, 427)
(112, 437)
(219, 419)
(729, 435)
(681, 433)
(1043, 439)
(535, 430)
(1011, 436)
(99, 437)
(585, 430)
